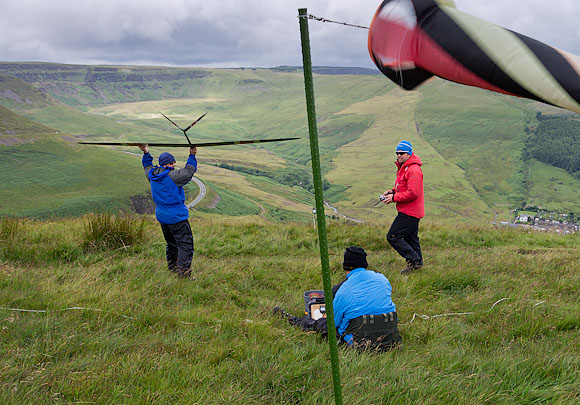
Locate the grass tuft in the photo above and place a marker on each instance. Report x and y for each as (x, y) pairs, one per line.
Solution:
(9, 229)
(105, 231)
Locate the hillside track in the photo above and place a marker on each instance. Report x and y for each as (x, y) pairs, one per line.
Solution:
(202, 193)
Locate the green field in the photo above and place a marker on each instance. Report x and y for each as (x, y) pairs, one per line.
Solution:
(553, 189)
(114, 326)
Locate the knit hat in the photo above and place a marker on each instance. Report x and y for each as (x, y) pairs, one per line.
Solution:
(405, 146)
(354, 257)
(166, 158)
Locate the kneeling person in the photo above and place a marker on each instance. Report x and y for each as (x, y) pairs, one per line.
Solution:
(364, 313)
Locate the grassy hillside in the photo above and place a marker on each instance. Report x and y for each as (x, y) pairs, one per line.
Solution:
(561, 193)
(486, 143)
(473, 143)
(12, 123)
(367, 166)
(58, 179)
(47, 175)
(114, 326)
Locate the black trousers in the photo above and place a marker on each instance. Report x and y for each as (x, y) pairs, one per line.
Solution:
(403, 237)
(307, 324)
(179, 248)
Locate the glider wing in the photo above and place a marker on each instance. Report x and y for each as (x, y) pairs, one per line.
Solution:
(186, 145)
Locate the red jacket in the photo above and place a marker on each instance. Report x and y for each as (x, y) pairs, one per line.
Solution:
(408, 188)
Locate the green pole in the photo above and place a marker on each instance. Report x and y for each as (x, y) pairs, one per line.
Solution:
(317, 177)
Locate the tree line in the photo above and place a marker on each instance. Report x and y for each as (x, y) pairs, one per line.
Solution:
(556, 142)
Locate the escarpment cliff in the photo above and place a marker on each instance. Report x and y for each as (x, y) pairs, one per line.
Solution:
(94, 85)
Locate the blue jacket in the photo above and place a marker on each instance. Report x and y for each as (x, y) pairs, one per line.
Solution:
(167, 189)
(364, 292)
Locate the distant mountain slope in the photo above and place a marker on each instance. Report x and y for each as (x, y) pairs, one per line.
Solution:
(17, 94)
(331, 70)
(556, 141)
(88, 85)
(39, 107)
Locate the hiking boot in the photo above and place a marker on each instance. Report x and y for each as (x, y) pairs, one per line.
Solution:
(408, 268)
(184, 273)
(280, 312)
(411, 267)
(172, 269)
(292, 320)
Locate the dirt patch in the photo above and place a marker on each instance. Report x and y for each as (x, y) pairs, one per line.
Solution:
(15, 97)
(15, 141)
(79, 137)
(215, 202)
(143, 204)
(529, 251)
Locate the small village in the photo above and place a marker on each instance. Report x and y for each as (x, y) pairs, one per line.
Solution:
(542, 220)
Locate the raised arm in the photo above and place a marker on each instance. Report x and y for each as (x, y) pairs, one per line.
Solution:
(183, 176)
(147, 159)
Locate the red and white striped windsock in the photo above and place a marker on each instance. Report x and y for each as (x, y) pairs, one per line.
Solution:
(413, 40)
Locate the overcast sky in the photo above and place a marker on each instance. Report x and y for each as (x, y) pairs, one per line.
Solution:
(234, 33)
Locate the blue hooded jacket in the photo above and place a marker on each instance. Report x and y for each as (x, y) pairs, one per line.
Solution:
(167, 189)
(364, 292)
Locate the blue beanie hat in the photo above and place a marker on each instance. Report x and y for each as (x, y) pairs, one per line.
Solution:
(166, 158)
(405, 146)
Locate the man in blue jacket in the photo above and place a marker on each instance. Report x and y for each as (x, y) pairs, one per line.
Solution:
(364, 313)
(169, 197)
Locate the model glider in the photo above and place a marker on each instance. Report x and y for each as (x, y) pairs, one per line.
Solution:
(412, 40)
(186, 145)
(189, 144)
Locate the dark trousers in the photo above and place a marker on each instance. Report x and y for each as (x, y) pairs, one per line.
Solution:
(307, 324)
(179, 248)
(403, 237)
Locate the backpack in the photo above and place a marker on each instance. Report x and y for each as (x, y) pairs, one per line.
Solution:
(375, 332)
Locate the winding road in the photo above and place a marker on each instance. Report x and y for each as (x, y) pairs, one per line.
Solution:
(360, 221)
(201, 194)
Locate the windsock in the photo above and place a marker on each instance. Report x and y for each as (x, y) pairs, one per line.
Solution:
(412, 40)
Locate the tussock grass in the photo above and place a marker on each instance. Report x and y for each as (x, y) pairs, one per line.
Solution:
(140, 335)
(9, 229)
(105, 231)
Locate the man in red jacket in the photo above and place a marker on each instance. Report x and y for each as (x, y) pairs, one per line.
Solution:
(408, 195)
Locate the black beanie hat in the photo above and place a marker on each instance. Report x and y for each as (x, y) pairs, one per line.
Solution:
(354, 257)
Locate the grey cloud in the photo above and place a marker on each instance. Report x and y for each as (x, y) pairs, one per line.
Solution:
(232, 32)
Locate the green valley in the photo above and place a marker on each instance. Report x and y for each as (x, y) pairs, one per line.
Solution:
(473, 143)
